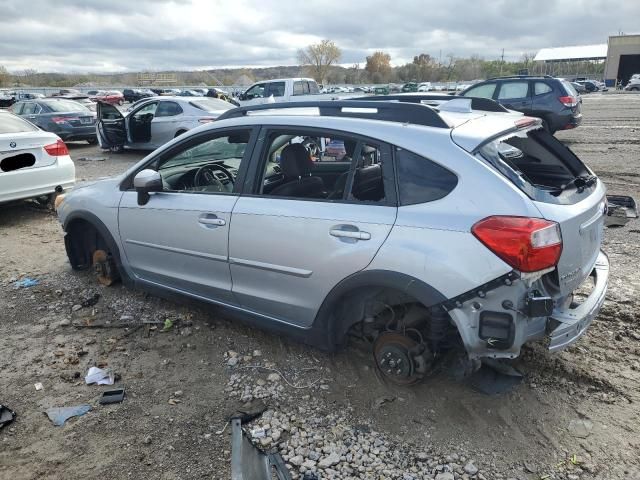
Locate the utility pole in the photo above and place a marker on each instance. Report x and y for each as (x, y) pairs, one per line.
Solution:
(501, 61)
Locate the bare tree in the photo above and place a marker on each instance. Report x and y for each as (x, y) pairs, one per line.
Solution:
(4, 77)
(319, 57)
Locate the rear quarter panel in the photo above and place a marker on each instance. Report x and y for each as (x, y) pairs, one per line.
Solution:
(433, 241)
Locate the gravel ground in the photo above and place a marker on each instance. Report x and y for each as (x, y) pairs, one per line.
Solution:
(575, 416)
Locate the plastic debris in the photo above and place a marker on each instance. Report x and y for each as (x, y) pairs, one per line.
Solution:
(38, 386)
(26, 283)
(168, 324)
(99, 376)
(6, 416)
(59, 415)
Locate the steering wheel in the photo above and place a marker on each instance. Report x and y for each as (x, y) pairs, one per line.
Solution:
(205, 177)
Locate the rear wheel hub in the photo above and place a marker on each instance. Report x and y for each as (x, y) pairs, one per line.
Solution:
(400, 358)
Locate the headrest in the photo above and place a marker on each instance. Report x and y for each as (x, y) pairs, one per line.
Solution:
(295, 161)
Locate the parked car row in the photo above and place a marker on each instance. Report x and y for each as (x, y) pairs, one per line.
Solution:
(68, 119)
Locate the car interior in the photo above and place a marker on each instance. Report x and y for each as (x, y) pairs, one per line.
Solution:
(321, 167)
(140, 123)
(296, 166)
(211, 166)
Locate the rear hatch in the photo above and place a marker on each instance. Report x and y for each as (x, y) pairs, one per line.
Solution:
(563, 189)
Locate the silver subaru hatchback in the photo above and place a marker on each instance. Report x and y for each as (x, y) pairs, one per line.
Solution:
(418, 228)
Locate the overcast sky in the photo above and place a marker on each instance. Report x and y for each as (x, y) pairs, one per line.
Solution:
(121, 35)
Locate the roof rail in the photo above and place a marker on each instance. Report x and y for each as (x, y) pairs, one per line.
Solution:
(482, 104)
(388, 111)
(520, 76)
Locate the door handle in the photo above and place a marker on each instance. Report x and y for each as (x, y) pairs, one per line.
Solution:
(211, 220)
(357, 235)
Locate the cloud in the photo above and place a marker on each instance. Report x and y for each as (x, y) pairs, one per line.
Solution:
(125, 35)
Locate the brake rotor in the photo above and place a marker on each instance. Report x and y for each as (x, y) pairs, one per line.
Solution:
(103, 267)
(399, 358)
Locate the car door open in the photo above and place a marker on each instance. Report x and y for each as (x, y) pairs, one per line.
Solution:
(110, 127)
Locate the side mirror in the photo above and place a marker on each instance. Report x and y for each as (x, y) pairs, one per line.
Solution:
(145, 182)
(243, 96)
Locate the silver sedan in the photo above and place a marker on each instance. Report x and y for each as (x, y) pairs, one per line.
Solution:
(154, 121)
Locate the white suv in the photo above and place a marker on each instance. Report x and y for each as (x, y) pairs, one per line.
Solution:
(418, 228)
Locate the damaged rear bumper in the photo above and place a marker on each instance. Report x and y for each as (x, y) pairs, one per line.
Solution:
(572, 323)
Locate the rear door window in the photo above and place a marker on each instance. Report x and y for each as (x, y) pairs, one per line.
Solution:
(540, 88)
(482, 91)
(420, 180)
(29, 108)
(509, 90)
(168, 109)
(276, 89)
(300, 88)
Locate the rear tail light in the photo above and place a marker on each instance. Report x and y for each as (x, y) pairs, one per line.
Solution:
(57, 149)
(60, 120)
(568, 101)
(526, 244)
(206, 119)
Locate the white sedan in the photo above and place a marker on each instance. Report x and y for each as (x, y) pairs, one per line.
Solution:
(33, 163)
(154, 121)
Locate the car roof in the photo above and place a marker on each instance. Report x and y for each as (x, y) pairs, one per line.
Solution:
(468, 130)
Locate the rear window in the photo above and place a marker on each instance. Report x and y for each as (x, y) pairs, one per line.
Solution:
(538, 164)
(211, 104)
(569, 88)
(65, 106)
(12, 124)
(421, 180)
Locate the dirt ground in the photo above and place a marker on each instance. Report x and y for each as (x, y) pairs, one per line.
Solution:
(575, 416)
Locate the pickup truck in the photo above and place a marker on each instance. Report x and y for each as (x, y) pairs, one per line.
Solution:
(284, 90)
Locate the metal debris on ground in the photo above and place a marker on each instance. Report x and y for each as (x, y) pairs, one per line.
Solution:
(112, 396)
(250, 463)
(620, 209)
(59, 415)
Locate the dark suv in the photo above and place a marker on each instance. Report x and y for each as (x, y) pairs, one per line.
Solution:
(553, 100)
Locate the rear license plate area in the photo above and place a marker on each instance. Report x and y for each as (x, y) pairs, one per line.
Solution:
(16, 162)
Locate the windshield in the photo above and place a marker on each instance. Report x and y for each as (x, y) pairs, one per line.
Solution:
(13, 124)
(65, 106)
(211, 104)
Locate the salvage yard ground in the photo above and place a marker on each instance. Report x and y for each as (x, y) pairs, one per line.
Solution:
(576, 415)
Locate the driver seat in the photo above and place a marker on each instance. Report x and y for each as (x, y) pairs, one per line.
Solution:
(296, 167)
